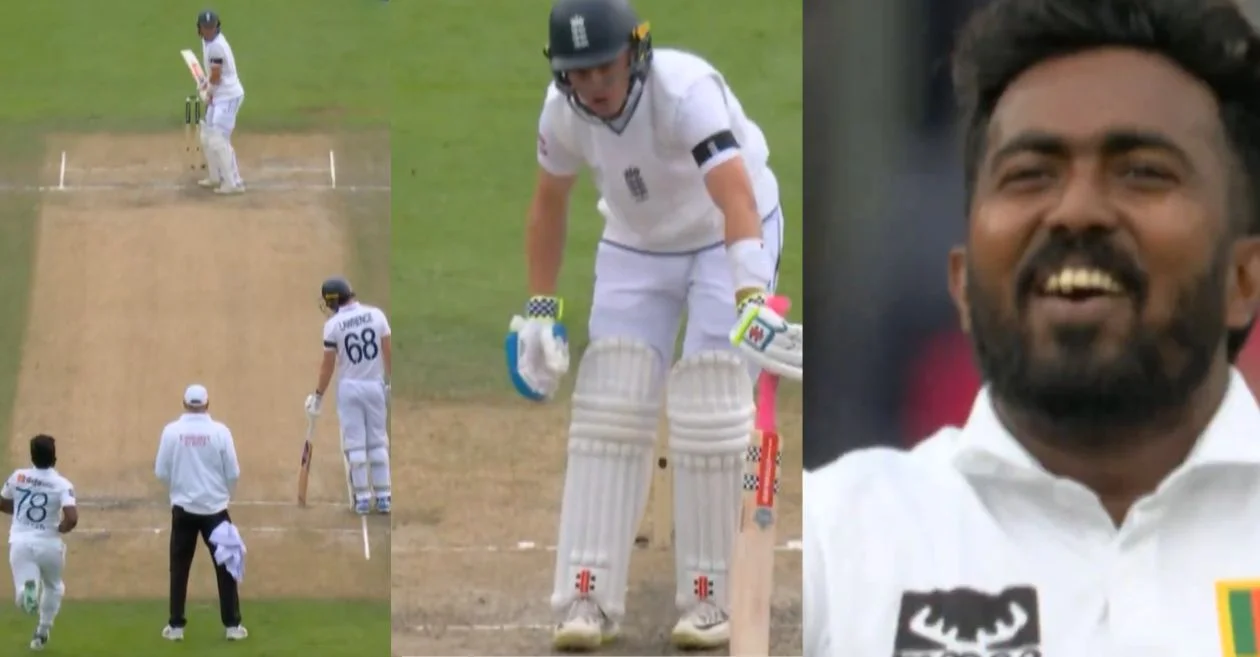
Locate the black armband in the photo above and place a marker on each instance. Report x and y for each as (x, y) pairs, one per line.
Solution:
(713, 145)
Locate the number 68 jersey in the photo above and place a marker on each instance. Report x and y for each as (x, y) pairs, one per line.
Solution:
(355, 332)
(38, 498)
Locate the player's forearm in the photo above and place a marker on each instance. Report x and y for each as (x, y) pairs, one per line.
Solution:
(387, 349)
(544, 245)
(325, 377)
(751, 267)
(742, 222)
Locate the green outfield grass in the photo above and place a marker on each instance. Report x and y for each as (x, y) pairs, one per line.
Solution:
(86, 66)
(464, 131)
(83, 65)
(293, 628)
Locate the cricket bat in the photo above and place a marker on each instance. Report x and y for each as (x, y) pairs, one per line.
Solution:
(304, 474)
(194, 67)
(662, 501)
(752, 560)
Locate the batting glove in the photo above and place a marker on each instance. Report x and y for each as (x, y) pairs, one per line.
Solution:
(537, 349)
(312, 405)
(767, 339)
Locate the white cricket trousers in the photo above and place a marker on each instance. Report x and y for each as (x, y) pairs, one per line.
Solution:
(41, 560)
(363, 412)
(643, 295)
(221, 116)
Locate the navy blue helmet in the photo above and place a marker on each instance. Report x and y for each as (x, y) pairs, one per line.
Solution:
(336, 292)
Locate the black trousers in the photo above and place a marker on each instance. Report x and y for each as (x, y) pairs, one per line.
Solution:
(185, 528)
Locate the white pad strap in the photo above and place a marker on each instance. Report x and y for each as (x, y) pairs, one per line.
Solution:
(356, 464)
(378, 463)
(710, 410)
(207, 151)
(612, 433)
(222, 154)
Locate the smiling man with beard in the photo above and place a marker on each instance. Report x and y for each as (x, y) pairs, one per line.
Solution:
(1103, 497)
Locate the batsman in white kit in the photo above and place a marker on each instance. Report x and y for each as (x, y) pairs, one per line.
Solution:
(357, 342)
(692, 225)
(223, 95)
(42, 504)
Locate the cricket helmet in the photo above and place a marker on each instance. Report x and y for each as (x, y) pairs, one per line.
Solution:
(335, 293)
(208, 18)
(590, 33)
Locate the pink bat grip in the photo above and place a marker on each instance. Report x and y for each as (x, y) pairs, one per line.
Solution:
(768, 383)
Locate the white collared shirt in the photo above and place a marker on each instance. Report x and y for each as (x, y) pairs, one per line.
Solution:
(892, 538)
(197, 461)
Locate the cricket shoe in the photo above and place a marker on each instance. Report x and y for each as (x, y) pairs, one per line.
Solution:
(227, 189)
(173, 633)
(363, 507)
(703, 627)
(208, 183)
(30, 596)
(236, 633)
(40, 639)
(383, 504)
(586, 627)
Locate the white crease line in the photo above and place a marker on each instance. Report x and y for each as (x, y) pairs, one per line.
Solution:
(148, 168)
(526, 546)
(520, 627)
(367, 544)
(61, 177)
(244, 530)
(124, 504)
(332, 168)
(124, 187)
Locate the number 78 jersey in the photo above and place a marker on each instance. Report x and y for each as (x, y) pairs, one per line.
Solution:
(38, 497)
(355, 332)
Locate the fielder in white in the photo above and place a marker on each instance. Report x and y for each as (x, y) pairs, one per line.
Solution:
(223, 95)
(692, 225)
(357, 342)
(42, 504)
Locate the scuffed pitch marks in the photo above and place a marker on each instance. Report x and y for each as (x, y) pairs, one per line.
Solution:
(519, 489)
(491, 474)
(132, 301)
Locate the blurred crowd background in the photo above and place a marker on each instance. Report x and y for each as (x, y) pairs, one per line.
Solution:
(883, 204)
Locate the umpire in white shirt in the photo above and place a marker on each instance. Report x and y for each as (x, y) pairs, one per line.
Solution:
(197, 463)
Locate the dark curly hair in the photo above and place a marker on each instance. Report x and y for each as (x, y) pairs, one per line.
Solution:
(1210, 39)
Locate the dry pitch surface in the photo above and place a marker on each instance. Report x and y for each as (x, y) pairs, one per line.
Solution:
(472, 569)
(144, 283)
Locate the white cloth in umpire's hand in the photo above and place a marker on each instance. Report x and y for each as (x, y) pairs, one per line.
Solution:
(768, 340)
(312, 405)
(229, 549)
(537, 356)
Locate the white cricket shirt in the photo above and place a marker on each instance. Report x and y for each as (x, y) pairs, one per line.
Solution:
(355, 332)
(38, 498)
(966, 546)
(197, 462)
(217, 51)
(651, 183)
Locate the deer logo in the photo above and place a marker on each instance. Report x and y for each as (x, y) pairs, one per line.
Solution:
(948, 637)
(965, 621)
